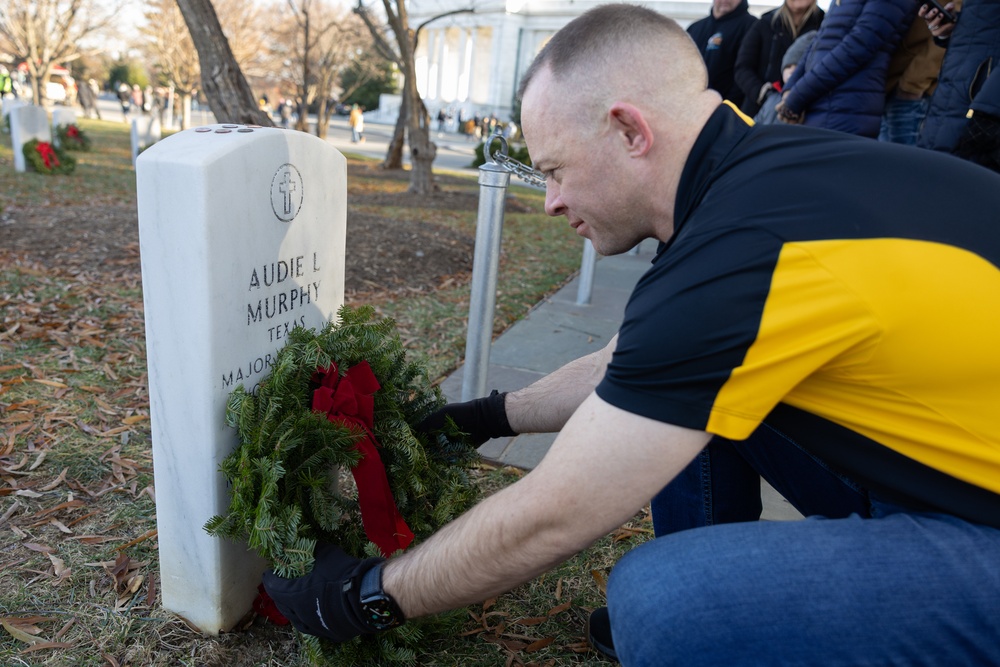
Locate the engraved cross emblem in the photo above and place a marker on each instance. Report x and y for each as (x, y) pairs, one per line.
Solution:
(287, 190)
(287, 187)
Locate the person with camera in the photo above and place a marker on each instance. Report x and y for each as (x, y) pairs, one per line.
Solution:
(807, 318)
(963, 117)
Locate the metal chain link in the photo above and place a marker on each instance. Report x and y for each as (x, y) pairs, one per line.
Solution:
(516, 167)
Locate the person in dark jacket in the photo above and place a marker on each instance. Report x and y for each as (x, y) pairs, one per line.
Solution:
(841, 84)
(973, 52)
(980, 140)
(758, 64)
(718, 36)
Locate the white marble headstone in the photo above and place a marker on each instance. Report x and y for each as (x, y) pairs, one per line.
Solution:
(145, 133)
(242, 235)
(11, 103)
(62, 116)
(26, 123)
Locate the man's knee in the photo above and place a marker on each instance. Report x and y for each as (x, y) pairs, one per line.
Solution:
(666, 598)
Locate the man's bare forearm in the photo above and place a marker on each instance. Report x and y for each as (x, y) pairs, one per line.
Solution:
(590, 482)
(498, 545)
(546, 405)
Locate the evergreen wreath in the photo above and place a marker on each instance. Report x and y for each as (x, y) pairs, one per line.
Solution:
(286, 493)
(47, 159)
(72, 138)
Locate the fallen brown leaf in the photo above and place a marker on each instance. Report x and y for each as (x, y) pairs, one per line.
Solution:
(52, 383)
(44, 645)
(17, 633)
(538, 645)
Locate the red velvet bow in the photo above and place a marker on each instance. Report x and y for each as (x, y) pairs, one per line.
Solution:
(349, 400)
(264, 605)
(49, 157)
(72, 132)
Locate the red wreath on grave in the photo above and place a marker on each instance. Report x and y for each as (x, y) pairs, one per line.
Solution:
(72, 138)
(47, 159)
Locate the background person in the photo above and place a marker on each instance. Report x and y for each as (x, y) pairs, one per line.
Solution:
(758, 68)
(807, 318)
(973, 53)
(841, 83)
(910, 82)
(768, 112)
(718, 36)
(357, 122)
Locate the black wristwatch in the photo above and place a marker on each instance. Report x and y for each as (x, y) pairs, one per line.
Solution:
(378, 610)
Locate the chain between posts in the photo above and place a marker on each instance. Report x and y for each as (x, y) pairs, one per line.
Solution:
(516, 167)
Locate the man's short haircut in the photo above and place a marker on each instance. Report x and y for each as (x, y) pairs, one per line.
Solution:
(601, 35)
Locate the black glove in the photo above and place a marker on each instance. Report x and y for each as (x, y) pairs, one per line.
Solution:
(480, 418)
(321, 603)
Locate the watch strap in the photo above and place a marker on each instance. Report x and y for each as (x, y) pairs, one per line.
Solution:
(371, 581)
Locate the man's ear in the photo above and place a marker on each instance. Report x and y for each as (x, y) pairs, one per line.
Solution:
(629, 123)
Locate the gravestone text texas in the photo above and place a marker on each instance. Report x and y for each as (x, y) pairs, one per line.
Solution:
(242, 236)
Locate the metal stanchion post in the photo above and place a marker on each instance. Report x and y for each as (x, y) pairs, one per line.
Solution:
(493, 182)
(587, 265)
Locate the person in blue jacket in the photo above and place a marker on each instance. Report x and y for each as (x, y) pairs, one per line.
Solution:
(973, 44)
(841, 83)
(718, 36)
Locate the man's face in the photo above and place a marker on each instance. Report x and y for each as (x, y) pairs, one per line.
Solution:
(576, 154)
(722, 7)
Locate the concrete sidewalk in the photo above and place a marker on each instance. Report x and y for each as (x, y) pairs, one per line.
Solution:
(558, 330)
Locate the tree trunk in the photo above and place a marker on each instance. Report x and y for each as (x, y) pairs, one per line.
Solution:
(228, 93)
(422, 149)
(39, 75)
(394, 156)
(322, 117)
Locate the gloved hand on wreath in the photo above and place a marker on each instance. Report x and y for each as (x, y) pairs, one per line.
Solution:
(481, 418)
(341, 598)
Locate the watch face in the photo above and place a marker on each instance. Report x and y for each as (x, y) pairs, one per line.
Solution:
(381, 613)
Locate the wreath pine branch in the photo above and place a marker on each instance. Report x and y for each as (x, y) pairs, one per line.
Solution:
(286, 494)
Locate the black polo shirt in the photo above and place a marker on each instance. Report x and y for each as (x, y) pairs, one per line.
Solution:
(844, 290)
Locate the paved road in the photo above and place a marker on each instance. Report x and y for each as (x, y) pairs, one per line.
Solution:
(455, 151)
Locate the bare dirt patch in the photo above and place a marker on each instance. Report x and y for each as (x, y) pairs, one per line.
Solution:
(383, 253)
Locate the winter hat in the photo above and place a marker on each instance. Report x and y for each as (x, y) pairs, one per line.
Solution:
(798, 49)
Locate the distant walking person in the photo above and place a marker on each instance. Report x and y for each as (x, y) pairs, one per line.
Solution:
(137, 97)
(357, 123)
(88, 99)
(125, 97)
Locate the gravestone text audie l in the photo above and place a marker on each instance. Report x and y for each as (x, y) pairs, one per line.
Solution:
(242, 237)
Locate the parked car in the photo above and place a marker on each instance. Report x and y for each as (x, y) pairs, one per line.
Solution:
(60, 87)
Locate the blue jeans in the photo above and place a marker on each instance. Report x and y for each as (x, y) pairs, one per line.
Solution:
(859, 582)
(901, 120)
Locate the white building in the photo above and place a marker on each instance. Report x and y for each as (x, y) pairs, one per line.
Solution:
(472, 62)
